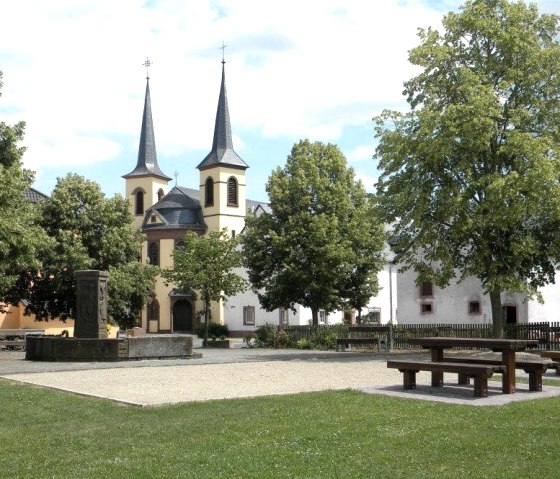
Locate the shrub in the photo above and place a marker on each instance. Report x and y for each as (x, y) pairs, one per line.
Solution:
(264, 335)
(304, 343)
(215, 331)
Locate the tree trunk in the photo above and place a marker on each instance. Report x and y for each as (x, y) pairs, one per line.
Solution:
(315, 316)
(207, 318)
(497, 313)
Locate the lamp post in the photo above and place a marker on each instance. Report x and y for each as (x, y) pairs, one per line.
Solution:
(391, 306)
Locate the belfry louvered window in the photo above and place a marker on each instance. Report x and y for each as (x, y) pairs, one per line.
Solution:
(209, 192)
(232, 191)
(139, 210)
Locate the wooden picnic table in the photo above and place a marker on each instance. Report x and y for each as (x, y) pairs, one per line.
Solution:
(508, 348)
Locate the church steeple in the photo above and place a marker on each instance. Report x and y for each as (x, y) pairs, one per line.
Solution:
(222, 153)
(147, 157)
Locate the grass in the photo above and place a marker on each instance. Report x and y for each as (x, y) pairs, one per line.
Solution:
(51, 434)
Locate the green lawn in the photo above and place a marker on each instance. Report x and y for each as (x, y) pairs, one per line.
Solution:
(50, 434)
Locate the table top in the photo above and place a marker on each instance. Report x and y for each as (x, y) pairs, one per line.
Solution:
(489, 343)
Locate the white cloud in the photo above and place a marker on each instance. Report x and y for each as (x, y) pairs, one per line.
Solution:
(73, 71)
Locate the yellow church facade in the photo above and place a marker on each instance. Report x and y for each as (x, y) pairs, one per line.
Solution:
(166, 214)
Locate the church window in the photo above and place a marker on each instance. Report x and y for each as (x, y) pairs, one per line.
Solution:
(139, 207)
(160, 194)
(249, 315)
(153, 310)
(209, 192)
(232, 191)
(322, 316)
(153, 253)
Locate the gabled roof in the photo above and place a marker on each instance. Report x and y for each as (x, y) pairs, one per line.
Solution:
(33, 195)
(175, 210)
(222, 153)
(147, 157)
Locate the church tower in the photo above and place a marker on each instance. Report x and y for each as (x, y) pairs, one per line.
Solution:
(146, 184)
(222, 175)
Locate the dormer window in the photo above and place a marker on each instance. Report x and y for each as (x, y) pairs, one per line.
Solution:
(232, 192)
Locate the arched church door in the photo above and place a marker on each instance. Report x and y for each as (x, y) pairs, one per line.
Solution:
(183, 316)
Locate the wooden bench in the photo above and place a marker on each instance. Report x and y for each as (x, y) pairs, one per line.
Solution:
(480, 372)
(346, 342)
(555, 356)
(364, 336)
(533, 367)
(16, 337)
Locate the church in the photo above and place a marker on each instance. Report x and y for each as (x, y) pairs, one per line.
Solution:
(164, 214)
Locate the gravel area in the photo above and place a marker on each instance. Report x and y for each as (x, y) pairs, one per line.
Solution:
(237, 373)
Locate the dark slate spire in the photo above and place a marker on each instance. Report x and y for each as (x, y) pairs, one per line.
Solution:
(147, 157)
(222, 153)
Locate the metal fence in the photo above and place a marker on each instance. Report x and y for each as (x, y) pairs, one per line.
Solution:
(547, 333)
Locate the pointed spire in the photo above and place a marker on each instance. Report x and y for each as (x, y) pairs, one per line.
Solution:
(222, 146)
(147, 157)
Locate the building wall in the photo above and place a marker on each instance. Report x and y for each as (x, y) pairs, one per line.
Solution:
(451, 304)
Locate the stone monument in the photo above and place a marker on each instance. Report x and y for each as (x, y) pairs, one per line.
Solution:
(91, 341)
(91, 304)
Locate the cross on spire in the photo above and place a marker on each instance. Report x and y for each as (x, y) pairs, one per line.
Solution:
(176, 174)
(223, 48)
(147, 64)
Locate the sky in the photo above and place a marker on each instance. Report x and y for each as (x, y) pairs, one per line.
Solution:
(74, 71)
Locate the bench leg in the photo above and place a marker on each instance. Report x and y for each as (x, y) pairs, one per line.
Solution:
(480, 386)
(464, 379)
(409, 378)
(437, 379)
(535, 380)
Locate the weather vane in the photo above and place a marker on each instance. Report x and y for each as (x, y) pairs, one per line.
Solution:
(147, 64)
(223, 48)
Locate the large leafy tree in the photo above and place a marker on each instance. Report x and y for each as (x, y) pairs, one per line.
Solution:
(131, 287)
(321, 243)
(470, 175)
(19, 236)
(88, 231)
(206, 264)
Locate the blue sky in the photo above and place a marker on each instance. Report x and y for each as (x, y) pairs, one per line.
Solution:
(317, 69)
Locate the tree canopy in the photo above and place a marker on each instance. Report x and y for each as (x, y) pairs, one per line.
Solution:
(19, 235)
(321, 245)
(205, 264)
(469, 177)
(87, 231)
(131, 287)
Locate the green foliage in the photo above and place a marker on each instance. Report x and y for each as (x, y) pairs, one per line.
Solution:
(304, 343)
(265, 335)
(469, 177)
(205, 264)
(20, 237)
(321, 245)
(87, 231)
(215, 330)
(131, 287)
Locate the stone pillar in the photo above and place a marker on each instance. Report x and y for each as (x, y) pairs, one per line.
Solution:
(91, 304)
